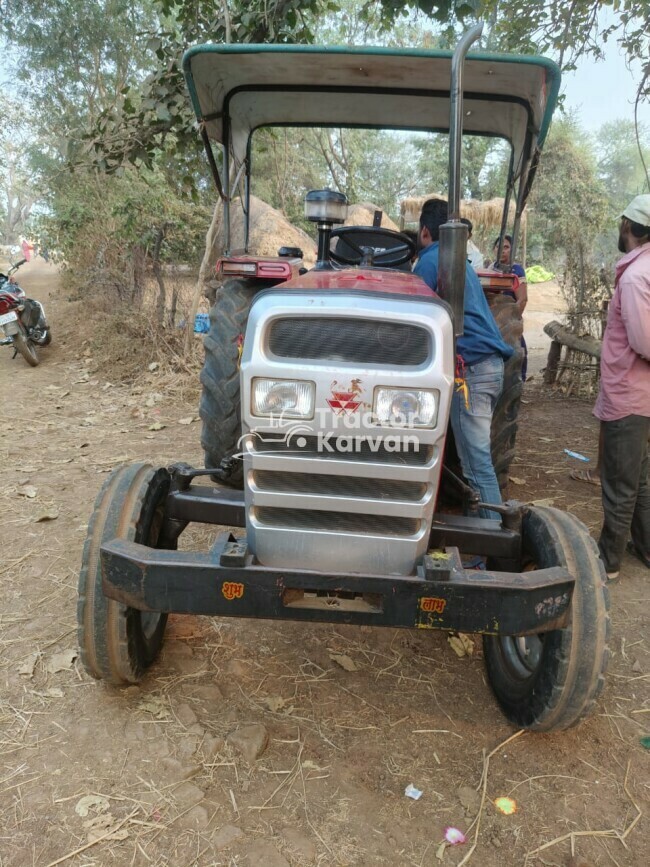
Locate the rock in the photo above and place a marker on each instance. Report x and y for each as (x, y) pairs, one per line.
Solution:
(132, 691)
(300, 845)
(196, 819)
(185, 715)
(176, 772)
(187, 795)
(212, 746)
(264, 854)
(226, 836)
(237, 667)
(209, 693)
(469, 798)
(188, 746)
(250, 741)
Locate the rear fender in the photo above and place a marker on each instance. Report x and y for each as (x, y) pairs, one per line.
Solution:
(269, 269)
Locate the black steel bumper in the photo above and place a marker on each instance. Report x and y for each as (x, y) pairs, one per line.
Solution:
(442, 595)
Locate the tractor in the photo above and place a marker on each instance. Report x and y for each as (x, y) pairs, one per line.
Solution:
(325, 407)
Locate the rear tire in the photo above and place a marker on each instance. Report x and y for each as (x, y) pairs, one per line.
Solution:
(506, 413)
(220, 407)
(26, 348)
(551, 681)
(118, 643)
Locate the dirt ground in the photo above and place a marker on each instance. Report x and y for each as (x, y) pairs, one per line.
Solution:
(343, 745)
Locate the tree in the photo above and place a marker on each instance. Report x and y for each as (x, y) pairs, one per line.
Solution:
(18, 180)
(620, 165)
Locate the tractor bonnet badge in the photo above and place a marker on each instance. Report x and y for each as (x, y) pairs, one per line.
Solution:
(345, 401)
(232, 590)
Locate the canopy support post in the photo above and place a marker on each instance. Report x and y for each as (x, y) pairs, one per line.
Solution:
(506, 206)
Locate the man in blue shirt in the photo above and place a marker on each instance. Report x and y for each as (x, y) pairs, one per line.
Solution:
(481, 354)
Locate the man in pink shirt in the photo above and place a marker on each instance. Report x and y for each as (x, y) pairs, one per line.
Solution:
(623, 404)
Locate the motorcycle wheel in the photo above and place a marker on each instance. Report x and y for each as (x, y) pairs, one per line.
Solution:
(26, 348)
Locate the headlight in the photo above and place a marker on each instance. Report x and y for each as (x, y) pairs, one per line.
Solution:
(282, 398)
(406, 407)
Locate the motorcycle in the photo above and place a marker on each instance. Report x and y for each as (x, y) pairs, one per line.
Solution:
(22, 319)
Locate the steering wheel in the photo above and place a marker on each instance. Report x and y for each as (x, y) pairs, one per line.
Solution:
(390, 258)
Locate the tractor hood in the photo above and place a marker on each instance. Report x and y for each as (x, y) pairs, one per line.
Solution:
(237, 88)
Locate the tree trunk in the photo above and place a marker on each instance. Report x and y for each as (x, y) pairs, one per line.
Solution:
(161, 302)
(203, 271)
(560, 334)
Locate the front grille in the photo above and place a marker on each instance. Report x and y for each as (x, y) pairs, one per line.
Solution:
(338, 486)
(411, 454)
(336, 522)
(347, 339)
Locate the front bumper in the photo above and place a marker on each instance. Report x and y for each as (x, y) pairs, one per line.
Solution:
(441, 595)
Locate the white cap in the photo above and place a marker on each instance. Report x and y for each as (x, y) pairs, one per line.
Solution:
(638, 210)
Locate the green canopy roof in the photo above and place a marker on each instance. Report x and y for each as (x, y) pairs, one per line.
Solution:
(243, 87)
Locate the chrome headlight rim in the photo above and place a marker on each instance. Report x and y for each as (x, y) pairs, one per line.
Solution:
(284, 413)
(399, 422)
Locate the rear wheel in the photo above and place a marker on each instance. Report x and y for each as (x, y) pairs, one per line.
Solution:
(26, 348)
(118, 643)
(220, 407)
(552, 680)
(506, 413)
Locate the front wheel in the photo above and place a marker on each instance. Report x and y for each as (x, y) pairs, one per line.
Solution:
(118, 643)
(551, 681)
(26, 348)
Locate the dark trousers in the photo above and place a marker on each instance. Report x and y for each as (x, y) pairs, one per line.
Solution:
(626, 493)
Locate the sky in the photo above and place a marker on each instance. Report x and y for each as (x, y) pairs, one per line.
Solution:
(603, 90)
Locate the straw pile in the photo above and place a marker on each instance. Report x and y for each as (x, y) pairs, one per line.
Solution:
(484, 215)
(363, 213)
(269, 230)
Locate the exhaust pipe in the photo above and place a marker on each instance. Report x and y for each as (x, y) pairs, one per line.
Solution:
(453, 234)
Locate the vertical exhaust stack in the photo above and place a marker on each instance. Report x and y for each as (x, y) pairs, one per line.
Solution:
(453, 234)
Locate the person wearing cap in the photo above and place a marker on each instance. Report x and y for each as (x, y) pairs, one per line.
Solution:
(481, 352)
(623, 404)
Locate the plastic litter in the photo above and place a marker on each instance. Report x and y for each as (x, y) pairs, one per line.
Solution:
(454, 836)
(201, 323)
(506, 806)
(576, 455)
(645, 742)
(411, 792)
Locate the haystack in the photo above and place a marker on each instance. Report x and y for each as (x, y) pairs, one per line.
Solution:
(363, 214)
(269, 230)
(485, 216)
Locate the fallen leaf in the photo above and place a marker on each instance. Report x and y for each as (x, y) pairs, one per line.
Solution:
(440, 851)
(62, 661)
(274, 703)
(91, 802)
(461, 644)
(100, 827)
(547, 502)
(50, 514)
(27, 491)
(157, 426)
(28, 666)
(636, 667)
(187, 420)
(516, 481)
(155, 706)
(344, 661)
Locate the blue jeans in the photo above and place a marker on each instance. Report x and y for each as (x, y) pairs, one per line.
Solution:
(472, 426)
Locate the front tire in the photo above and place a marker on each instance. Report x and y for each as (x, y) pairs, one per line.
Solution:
(26, 348)
(118, 643)
(220, 407)
(551, 681)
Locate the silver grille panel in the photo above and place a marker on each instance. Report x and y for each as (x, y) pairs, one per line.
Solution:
(336, 522)
(338, 486)
(357, 504)
(349, 339)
